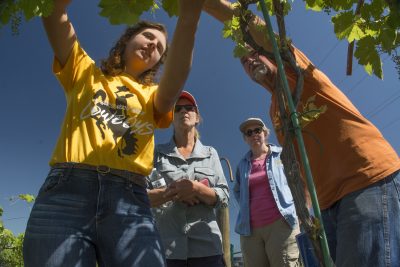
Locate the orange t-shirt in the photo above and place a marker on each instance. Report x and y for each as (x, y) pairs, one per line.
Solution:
(346, 151)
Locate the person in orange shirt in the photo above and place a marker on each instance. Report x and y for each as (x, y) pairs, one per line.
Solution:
(355, 170)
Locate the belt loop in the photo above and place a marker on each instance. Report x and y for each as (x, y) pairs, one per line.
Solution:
(103, 169)
(68, 171)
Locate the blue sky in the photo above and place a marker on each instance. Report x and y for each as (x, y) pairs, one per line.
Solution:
(33, 103)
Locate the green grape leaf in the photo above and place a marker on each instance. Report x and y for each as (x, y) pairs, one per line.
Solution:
(394, 19)
(270, 7)
(368, 56)
(46, 8)
(235, 23)
(346, 25)
(342, 4)
(387, 38)
(154, 7)
(342, 22)
(315, 5)
(372, 29)
(240, 50)
(140, 6)
(288, 8)
(7, 10)
(116, 12)
(226, 32)
(29, 8)
(32, 8)
(236, 5)
(231, 28)
(356, 33)
(373, 9)
(171, 7)
(124, 11)
(27, 197)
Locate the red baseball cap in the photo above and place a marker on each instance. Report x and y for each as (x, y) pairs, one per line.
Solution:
(190, 97)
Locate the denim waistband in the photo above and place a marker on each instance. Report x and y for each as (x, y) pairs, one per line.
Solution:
(102, 169)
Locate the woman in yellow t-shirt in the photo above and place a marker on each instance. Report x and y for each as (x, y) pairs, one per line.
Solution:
(93, 206)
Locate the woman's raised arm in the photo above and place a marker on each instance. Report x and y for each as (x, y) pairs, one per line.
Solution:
(60, 32)
(179, 59)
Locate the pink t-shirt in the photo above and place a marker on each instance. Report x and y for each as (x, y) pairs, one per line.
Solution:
(263, 209)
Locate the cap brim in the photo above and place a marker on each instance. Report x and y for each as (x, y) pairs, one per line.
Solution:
(250, 121)
(188, 96)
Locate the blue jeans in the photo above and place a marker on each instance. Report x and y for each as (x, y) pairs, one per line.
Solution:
(363, 228)
(211, 261)
(81, 217)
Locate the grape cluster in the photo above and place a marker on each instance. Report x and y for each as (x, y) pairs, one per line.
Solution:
(15, 23)
(396, 60)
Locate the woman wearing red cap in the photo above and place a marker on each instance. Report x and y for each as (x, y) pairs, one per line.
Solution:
(195, 186)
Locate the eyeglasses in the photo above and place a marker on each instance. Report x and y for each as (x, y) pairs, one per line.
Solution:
(250, 132)
(186, 107)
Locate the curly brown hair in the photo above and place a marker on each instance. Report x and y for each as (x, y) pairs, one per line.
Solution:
(115, 63)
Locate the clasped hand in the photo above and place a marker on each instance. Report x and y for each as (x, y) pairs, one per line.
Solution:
(183, 190)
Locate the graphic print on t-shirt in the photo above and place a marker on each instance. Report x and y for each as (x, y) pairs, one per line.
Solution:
(114, 118)
(308, 112)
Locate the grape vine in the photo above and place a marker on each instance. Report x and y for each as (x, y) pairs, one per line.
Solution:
(375, 28)
(10, 244)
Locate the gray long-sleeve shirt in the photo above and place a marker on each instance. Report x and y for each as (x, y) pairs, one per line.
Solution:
(190, 231)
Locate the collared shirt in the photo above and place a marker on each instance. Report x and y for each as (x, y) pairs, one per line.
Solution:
(190, 231)
(279, 187)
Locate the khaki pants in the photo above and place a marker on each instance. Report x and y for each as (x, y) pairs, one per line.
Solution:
(273, 245)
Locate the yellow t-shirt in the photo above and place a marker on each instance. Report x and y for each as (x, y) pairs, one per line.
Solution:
(109, 120)
(346, 151)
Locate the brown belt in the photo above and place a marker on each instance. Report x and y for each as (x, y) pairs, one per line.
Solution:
(102, 169)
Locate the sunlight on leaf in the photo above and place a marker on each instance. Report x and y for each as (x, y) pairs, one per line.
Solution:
(345, 26)
(368, 56)
(27, 197)
(315, 5)
(240, 51)
(33, 8)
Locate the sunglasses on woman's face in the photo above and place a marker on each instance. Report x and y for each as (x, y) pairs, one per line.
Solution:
(186, 107)
(250, 132)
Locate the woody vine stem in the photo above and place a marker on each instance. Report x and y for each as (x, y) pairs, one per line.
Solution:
(312, 226)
